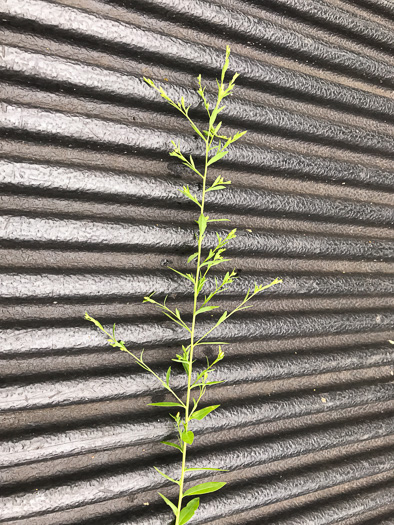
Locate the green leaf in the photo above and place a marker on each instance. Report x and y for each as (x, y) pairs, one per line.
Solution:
(149, 81)
(168, 376)
(200, 284)
(186, 191)
(201, 374)
(226, 63)
(215, 262)
(222, 318)
(170, 504)
(231, 234)
(88, 318)
(208, 383)
(202, 223)
(204, 488)
(165, 476)
(214, 114)
(175, 320)
(215, 131)
(165, 404)
(200, 414)
(188, 437)
(237, 136)
(187, 276)
(193, 256)
(217, 157)
(216, 188)
(169, 444)
(205, 309)
(188, 512)
(148, 299)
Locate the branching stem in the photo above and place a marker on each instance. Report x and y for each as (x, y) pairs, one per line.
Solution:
(191, 348)
(213, 153)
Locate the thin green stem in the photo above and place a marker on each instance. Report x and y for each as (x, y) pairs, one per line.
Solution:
(208, 143)
(238, 308)
(148, 369)
(190, 366)
(214, 152)
(141, 363)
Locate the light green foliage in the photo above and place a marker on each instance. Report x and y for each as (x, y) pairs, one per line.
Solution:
(216, 147)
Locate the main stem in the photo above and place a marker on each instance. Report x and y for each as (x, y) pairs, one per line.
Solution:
(189, 376)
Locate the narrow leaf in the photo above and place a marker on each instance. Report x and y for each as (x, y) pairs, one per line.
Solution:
(216, 188)
(170, 504)
(222, 318)
(169, 444)
(205, 309)
(214, 114)
(209, 264)
(165, 476)
(208, 383)
(237, 136)
(217, 157)
(200, 414)
(200, 284)
(193, 256)
(148, 299)
(186, 276)
(175, 320)
(188, 437)
(168, 376)
(87, 316)
(226, 63)
(204, 488)
(188, 512)
(202, 223)
(186, 190)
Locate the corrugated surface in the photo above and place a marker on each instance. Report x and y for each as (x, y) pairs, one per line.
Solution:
(91, 218)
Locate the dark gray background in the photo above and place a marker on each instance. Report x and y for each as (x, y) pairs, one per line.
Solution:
(91, 219)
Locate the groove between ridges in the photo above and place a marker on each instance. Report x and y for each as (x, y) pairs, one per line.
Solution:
(236, 498)
(79, 23)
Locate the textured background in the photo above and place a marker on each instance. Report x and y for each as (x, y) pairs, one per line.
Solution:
(91, 218)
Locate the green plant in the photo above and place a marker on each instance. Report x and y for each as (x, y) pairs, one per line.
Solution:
(216, 147)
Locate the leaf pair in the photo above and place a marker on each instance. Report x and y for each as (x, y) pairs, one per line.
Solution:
(188, 437)
(188, 512)
(219, 184)
(186, 192)
(200, 414)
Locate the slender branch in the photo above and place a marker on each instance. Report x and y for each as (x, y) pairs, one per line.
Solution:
(240, 307)
(191, 346)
